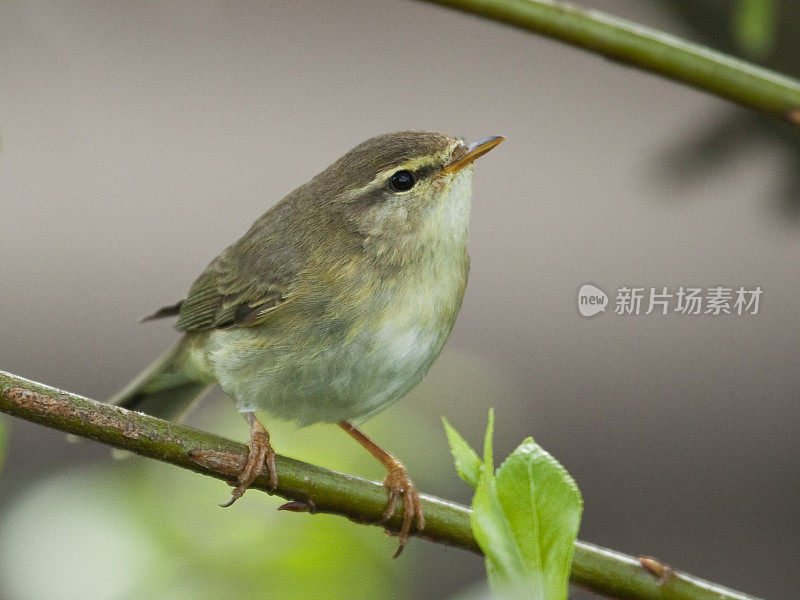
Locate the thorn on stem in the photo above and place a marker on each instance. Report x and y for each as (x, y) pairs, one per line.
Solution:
(792, 115)
(656, 568)
(297, 506)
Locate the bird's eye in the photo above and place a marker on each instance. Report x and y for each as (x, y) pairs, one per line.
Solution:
(402, 181)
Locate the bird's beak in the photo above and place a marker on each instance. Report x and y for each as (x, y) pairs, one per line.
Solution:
(465, 154)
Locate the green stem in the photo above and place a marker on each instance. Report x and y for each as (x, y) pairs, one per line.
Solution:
(730, 78)
(598, 569)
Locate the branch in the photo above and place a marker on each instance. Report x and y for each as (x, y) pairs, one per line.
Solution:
(698, 66)
(598, 569)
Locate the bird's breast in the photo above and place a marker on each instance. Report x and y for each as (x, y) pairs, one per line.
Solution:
(350, 355)
(418, 310)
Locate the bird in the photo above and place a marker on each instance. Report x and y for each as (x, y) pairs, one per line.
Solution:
(334, 304)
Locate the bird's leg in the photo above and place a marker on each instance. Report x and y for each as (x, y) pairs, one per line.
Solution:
(397, 481)
(260, 450)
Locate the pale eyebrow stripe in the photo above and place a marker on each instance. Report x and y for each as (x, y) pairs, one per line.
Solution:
(415, 165)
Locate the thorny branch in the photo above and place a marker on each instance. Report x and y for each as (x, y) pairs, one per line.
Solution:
(314, 489)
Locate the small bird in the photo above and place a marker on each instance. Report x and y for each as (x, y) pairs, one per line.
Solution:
(333, 305)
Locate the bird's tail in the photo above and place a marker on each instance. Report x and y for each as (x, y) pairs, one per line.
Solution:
(164, 389)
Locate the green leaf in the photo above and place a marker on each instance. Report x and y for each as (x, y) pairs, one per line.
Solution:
(525, 519)
(504, 564)
(543, 506)
(754, 23)
(468, 463)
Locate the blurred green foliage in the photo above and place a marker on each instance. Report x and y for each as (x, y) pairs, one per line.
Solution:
(754, 26)
(137, 528)
(525, 516)
(760, 30)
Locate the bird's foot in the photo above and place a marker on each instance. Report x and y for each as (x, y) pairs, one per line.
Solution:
(260, 452)
(399, 484)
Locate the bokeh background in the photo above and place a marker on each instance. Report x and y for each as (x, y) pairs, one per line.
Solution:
(140, 138)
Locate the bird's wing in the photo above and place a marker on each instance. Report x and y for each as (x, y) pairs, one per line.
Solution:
(251, 279)
(237, 290)
(218, 299)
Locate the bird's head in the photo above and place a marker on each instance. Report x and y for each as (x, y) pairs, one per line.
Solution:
(404, 191)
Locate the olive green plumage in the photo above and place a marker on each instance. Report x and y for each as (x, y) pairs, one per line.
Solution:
(338, 299)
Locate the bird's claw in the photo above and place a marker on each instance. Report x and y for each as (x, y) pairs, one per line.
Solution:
(399, 484)
(260, 452)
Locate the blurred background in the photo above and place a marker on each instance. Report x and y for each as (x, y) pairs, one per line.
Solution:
(139, 139)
